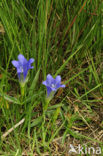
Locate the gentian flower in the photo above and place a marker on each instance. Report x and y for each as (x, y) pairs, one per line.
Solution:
(52, 84)
(22, 66)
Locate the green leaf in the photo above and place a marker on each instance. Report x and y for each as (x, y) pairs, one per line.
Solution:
(36, 121)
(11, 99)
(33, 85)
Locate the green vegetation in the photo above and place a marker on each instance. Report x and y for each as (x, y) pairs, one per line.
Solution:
(65, 38)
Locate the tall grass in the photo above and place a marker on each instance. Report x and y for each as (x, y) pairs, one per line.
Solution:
(65, 38)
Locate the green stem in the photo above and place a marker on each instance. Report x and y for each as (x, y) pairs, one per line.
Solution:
(47, 101)
(43, 129)
(22, 91)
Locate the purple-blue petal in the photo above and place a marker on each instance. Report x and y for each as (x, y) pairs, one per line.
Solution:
(15, 63)
(53, 89)
(58, 79)
(31, 67)
(31, 60)
(44, 83)
(63, 86)
(49, 79)
(48, 90)
(60, 86)
(22, 59)
(57, 86)
(19, 70)
(25, 73)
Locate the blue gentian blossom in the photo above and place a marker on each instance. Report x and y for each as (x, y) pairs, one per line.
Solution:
(22, 66)
(52, 84)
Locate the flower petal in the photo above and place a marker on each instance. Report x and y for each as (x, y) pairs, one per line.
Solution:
(58, 79)
(25, 74)
(22, 59)
(15, 63)
(49, 79)
(63, 86)
(29, 63)
(59, 86)
(31, 67)
(19, 70)
(31, 60)
(44, 83)
(58, 82)
(53, 89)
(48, 91)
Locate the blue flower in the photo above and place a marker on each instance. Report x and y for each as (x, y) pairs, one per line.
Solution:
(52, 84)
(22, 66)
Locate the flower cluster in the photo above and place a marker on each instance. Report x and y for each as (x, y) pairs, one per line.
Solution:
(22, 66)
